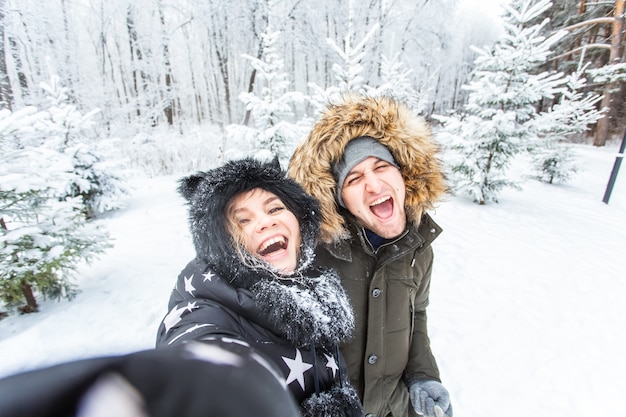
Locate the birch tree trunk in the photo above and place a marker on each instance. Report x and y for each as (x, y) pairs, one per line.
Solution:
(6, 93)
(197, 108)
(135, 57)
(168, 93)
(220, 48)
(259, 55)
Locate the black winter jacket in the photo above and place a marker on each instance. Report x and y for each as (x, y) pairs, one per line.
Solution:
(192, 380)
(294, 323)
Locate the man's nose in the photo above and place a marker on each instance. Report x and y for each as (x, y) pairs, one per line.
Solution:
(372, 182)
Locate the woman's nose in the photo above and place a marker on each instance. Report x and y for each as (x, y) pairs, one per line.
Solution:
(264, 221)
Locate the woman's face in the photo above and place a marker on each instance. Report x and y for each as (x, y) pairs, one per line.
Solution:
(266, 227)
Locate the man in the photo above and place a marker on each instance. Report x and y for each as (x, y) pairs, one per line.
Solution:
(373, 167)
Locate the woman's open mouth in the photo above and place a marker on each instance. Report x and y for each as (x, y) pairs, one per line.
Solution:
(272, 245)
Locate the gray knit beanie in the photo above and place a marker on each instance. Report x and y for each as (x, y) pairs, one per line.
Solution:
(356, 151)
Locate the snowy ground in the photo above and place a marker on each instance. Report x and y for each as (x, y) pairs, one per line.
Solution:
(527, 313)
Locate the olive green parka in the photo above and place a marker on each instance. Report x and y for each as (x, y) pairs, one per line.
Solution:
(388, 287)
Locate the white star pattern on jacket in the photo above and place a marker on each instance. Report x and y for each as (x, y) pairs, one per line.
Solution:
(174, 316)
(188, 285)
(297, 368)
(214, 354)
(331, 364)
(208, 276)
(190, 330)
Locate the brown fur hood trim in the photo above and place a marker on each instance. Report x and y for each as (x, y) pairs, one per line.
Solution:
(395, 126)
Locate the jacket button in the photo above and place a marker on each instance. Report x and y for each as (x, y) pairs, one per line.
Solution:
(369, 415)
(376, 292)
(371, 359)
(433, 231)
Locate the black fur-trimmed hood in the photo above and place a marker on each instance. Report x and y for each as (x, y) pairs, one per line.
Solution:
(208, 194)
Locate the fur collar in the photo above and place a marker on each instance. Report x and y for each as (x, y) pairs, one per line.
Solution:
(310, 310)
(393, 125)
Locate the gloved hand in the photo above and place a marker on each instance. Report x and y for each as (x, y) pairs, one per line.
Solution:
(430, 399)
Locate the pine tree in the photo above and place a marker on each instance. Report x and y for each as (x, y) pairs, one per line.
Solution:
(553, 158)
(347, 71)
(43, 240)
(70, 132)
(44, 235)
(497, 122)
(94, 181)
(272, 107)
(397, 84)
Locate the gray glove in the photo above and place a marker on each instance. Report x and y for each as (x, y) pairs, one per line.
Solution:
(430, 399)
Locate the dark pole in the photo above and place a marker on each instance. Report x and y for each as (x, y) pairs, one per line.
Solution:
(616, 165)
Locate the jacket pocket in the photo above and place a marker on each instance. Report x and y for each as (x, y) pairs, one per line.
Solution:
(398, 326)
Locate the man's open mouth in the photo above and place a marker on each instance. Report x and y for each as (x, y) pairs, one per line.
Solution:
(383, 207)
(272, 245)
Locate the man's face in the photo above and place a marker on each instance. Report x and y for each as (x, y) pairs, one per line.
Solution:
(374, 193)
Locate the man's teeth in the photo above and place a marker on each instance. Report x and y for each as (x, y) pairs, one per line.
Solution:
(379, 201)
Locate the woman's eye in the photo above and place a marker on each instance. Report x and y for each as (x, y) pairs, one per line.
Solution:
(243, 221)
(277, 209)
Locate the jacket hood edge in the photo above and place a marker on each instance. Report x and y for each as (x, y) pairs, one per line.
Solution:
(394, 125)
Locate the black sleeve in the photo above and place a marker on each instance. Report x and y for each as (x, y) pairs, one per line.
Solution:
(198, 308)
(197, 319)
(218, 378)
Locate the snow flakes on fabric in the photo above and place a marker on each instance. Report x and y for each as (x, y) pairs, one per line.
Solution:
(312, 310)
(338, 401)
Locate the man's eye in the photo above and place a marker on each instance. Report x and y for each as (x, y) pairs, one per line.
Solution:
(381, 167)
(353, 180)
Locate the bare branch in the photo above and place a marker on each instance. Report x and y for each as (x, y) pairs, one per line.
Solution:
(589, 22)
(584, 47)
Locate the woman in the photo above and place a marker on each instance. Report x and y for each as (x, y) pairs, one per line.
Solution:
(252, 282)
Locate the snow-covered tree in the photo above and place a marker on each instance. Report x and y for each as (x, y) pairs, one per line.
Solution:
(272, 103)
(67, 124)
(397, 84)
(553, 158)
(609, 74)
(42, 241)
(347, 71)
(94, 181)
(497, 123)
(44, 236)
(70, 132)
